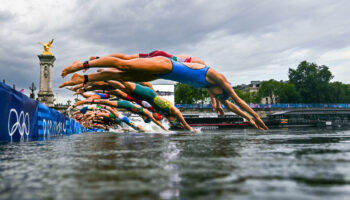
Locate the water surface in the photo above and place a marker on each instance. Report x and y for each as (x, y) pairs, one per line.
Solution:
(230, 164)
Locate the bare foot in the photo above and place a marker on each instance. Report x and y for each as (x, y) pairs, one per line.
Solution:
(76, 66)
(70, 88)
(76, 79)
(79, 91)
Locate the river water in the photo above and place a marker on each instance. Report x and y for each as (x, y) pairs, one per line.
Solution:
(230, 164)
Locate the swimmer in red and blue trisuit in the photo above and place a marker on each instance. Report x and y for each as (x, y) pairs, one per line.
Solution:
(179, 58)
(145, 114)
(148, 69)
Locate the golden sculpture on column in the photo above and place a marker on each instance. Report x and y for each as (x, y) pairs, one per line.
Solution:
(47, 47)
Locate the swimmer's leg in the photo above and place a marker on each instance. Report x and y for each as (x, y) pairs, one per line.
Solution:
(155, 65)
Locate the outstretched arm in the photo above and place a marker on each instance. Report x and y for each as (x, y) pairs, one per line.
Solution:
(239, 112)
(147, 113)
(242, 104)
(245, 107)
(178, 114)
(126, 120)
(216, 104)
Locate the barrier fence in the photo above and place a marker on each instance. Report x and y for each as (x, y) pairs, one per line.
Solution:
(300, 105)
(22, 117)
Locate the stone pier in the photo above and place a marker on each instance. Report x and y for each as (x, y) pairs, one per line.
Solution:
(45, 94)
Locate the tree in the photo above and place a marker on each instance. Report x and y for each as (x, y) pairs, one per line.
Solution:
(185, 94)
(249, 97)
(269, 89)
(311, 81)
(285, 92)
(339, 93)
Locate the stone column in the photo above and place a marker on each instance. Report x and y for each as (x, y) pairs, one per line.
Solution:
(45, 92)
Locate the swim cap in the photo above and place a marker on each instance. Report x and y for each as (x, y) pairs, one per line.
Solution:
(158, 116)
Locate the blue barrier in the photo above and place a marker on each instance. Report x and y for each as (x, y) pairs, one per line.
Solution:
(299, 105)
(22, 117)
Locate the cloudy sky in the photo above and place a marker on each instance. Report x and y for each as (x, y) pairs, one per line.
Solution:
(244, 39)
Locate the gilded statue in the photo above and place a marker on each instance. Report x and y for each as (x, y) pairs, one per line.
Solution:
(47, 47)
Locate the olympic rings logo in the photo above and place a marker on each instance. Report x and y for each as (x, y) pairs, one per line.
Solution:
(50, 127)
(22, 123)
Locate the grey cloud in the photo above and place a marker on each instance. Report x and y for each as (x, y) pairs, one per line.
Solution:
(242, 39)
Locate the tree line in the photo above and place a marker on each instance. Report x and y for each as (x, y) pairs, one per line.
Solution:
(308, 83)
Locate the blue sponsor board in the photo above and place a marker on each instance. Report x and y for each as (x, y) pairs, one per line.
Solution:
(22, 117)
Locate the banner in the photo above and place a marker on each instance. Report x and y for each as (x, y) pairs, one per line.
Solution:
(22, 117)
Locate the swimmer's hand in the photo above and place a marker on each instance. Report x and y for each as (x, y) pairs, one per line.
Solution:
(79, 91)
(140, 128)
(252, 122)
(220, 111)
(75, 66)
(261, 124)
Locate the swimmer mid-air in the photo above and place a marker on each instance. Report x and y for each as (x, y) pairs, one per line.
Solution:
(160, 67)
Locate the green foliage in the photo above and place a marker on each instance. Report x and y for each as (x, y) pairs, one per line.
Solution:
(268, 89)
(339, 92)
(311, 81)
(249, 97)
(185, 94)
(285, 92)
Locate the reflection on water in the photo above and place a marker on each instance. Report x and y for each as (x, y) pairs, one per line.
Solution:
(240, 164)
